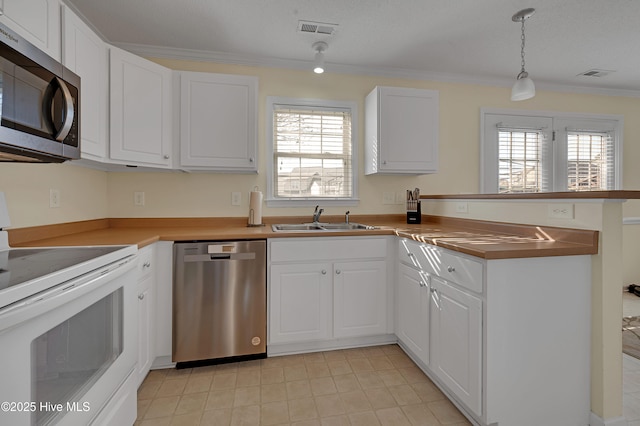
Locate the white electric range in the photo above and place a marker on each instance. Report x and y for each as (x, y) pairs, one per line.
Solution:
(68, 325)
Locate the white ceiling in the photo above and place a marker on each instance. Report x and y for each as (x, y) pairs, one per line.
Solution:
(453, 40)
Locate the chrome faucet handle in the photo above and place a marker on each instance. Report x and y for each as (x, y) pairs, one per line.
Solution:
(346, 216)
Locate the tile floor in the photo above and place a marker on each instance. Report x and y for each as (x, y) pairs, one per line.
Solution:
(366, 386)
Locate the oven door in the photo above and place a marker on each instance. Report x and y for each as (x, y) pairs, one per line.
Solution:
(67, 350)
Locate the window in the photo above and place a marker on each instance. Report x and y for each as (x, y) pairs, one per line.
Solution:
(311, 152)
(550, 152)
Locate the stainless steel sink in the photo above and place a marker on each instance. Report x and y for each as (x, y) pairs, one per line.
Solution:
(321, 227)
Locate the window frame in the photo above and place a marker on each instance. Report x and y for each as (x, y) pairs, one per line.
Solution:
(272, 103)
(558, 122)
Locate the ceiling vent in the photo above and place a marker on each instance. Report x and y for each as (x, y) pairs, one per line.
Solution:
(321, 28)
(596, 73)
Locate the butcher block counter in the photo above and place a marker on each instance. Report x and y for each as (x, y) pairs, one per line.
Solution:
(483, 239)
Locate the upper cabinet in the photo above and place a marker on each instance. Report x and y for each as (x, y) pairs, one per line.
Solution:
(38, 21)
(84, 53)
(218, 122)
(401, 131)
(140, 111)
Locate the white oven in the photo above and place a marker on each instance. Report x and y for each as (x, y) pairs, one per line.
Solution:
(68, 331)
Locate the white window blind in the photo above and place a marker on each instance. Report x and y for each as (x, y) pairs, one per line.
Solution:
(520, 160)
(590, 161)
(312, 153)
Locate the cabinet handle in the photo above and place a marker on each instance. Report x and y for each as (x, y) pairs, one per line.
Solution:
(324, 272)
(451, 269)
(422, 284)
(146, 265)
(141, 296)
(338, 271)
(251, 159)
(166, 157)
(384, 162)
(411, 255)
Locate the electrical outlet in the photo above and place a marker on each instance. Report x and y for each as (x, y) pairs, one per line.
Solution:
(54, 198)
(462, 208)
(401, 197)
(561, 211)
(138, 198)
(236, 198)
(388, 198)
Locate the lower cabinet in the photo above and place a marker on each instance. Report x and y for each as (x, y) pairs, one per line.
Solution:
(146, 308)
(495, 335)
(412, 312)
(325, 289)
(456, 341)
(359, 298)
(300, 305)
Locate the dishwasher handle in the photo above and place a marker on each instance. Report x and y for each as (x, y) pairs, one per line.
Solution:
(217, 257)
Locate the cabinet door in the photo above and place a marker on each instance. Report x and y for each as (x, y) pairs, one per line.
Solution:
(140, 110)
(359, 298)
(406, 131)
(84, 53)
(218, 122)
(300, 308)
(456, 341)
(38, 21)
(412, 307)
(145, 330)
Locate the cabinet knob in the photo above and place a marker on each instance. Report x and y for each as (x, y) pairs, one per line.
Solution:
(141, 296)
(432, 290)
(422, 284)
(251, 159)
(146, 265)
(384, 162)
(166, 157)
(338, 271)
(324, 272)
(451, 269)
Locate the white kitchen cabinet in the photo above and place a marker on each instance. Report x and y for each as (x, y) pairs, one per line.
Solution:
(163, 304)
(500, 342)
(359, 298)
(456, 341)
(140, 111)
(146, 311)
(84, 53)
(38, 21)
(218, 122)
(401, 131)
(412, 311)
(300, 302)
(328, 293)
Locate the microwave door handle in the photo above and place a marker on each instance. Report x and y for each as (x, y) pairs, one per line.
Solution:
(69, 112)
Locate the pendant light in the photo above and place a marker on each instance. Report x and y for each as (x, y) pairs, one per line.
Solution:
(318, 64)
(523, 87)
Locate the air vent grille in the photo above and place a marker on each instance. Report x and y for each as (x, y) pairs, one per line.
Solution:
(322, 28)
(596, 73)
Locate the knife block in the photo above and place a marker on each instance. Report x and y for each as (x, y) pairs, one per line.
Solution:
(414, 216)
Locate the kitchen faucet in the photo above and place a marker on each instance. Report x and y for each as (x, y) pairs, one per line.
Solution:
(346, 216)
(316, 214)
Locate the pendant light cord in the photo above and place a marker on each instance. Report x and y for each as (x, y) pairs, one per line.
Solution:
(522, 47)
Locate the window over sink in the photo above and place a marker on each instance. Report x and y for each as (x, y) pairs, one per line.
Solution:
(311, 152)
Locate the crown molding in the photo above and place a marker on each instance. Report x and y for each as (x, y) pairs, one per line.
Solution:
(270, 62)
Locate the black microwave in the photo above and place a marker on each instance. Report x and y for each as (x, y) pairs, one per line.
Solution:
(39, 104)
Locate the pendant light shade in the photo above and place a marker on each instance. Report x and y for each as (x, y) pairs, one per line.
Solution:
(318, 62)
(523, 88)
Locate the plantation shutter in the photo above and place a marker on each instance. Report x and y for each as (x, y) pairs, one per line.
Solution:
(312, 155)
(590, 160)
(521, 160)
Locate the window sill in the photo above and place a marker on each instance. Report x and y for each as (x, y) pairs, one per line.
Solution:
(296, 202)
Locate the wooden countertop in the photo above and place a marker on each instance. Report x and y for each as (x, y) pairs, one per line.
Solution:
(573, 195)
(488, 240)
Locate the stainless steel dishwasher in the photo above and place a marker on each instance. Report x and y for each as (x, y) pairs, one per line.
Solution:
(219, 300)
